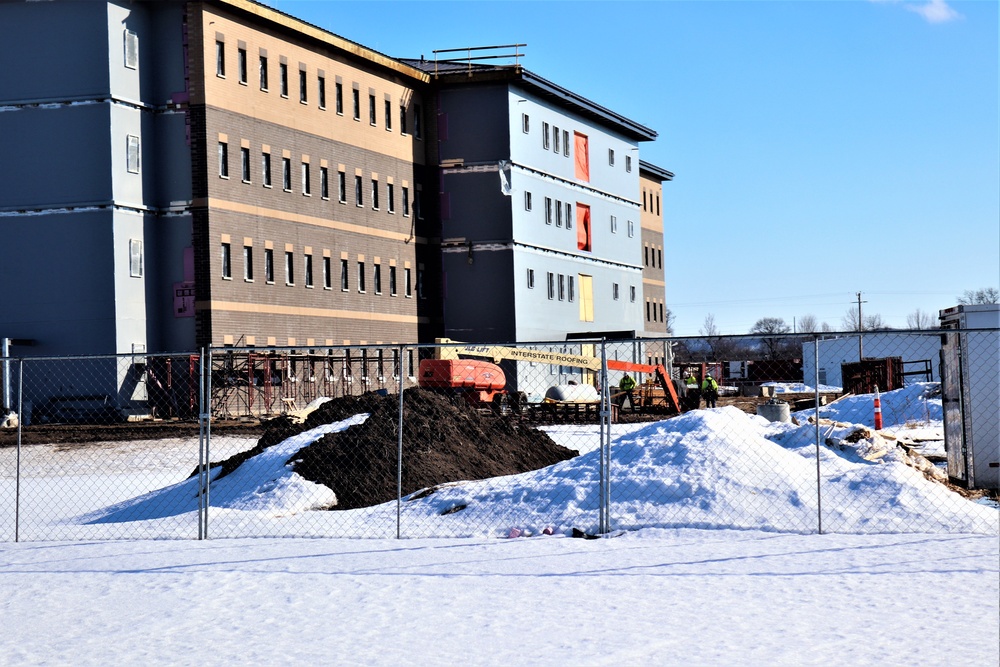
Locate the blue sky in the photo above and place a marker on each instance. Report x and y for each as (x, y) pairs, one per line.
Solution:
(820, 148)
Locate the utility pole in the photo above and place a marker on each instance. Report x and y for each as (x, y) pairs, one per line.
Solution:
(861, 328)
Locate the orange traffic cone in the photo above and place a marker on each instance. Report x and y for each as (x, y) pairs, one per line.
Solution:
(878, 410)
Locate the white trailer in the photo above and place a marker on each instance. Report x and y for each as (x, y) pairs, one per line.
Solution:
(970, 391)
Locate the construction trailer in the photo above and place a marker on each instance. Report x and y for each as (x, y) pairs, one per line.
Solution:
(970, 391)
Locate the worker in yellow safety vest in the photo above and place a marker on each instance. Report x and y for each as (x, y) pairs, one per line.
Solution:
(627, 385)
(710, 390)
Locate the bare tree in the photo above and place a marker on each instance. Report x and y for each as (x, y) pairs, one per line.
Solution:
(708, 328)
(919, 319)
(980, 296)
(870, 323)
(807, 324)
(669, 318)
(767, 328)
(826, 328)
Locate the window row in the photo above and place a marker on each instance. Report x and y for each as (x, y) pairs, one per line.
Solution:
(263, 69)
(652, 257)
(647, 202)
(561, 287)
(326, 267)
(374, 189)
(557, 140)
(651, 312)
(554, 210)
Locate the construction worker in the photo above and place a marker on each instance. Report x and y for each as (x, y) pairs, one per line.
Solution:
(627, 385)
(692, 398)
(710, 390)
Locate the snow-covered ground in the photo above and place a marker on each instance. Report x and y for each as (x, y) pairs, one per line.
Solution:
(714, 558)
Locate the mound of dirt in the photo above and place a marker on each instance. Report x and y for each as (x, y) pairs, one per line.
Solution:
(442, 442)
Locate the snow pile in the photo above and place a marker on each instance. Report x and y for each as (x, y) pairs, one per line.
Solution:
(264, 484)
(800, 388)
(713, 469)
(916, 403)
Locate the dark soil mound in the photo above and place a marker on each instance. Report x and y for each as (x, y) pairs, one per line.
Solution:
(442, 442)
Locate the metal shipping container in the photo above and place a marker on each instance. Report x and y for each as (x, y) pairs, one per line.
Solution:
(970, 389)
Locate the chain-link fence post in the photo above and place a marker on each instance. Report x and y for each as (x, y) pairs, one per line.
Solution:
(604, 502)
(399, 446)
(819, 486)
(17, 464)
(204, 411)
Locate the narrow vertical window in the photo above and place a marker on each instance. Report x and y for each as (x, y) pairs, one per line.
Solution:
(303, 87)
(248, 263)
(269, 265)
(418, 209)
(631, 293)
(341, 187)
(223, 159)
(132, 154)
(371, 110)
(628, 163)
(392, 280)
(555, 139)
(306, 189)
(324, 183)
(614, 225)
(402, 119)
(227, 261)
(548, 210)
(405, 200)
(420, 282)
(357, 103)
(220, 58)
(407, 283)
(559, 213)
(565, 143)
(583, 241)
(321, 91)
(569, 215)
(550, 279)
(358, 197)
(545, 135)
(135, 260)
(390, 197)
(361, 276)
(241, 64)
(562, 287)
(527, 201)
(570, 289)
(417, 121)
(283, 75)
(263, 73)
(388, 115)
(308, 270)
(286, 174)
(265, 162)
(289, 268)
(245, 164)
(377, 278)
(525, 123)
(614, 291)
(374, 194)
(631, 228)
(531, 279)
(344, 280)
(327, 278)
(339, 94)
(131, 50)
(611, 157)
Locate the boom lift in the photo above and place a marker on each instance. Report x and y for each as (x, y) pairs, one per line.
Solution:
(438, 372)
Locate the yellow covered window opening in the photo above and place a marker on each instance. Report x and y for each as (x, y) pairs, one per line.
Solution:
(586, 298)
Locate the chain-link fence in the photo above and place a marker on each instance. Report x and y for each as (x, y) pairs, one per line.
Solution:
(889, 432)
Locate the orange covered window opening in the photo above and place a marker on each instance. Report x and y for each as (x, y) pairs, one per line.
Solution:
(581, 156)
(583, 227)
